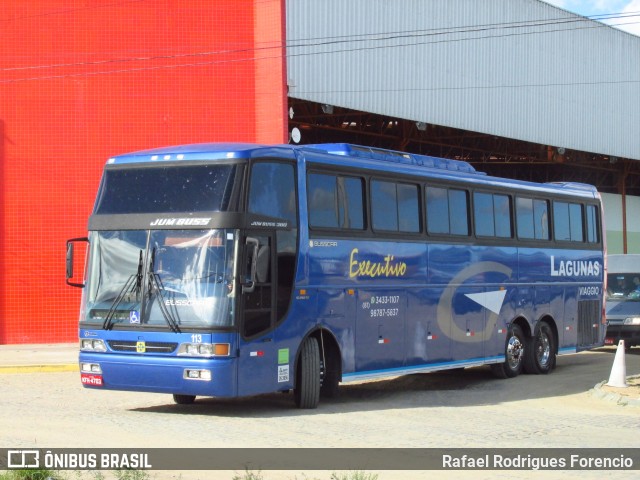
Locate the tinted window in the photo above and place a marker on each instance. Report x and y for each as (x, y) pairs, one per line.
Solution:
(561, 221)
(567, 221)
(458, 212)
(350, 213)
(323, 201)
(532, 218)
(272, 191)
(541, 219)
(169, 189)
(575, 222)
(492, 213)
(394, 207)
(524, 216)
(384, 206)
(447, 211)
(408, 209)
(483, 214)
(437, 210)
(335, 202)
(592, 224)
(502, 212)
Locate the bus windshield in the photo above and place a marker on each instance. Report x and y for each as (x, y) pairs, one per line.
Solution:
(162, 278)
(169, 188)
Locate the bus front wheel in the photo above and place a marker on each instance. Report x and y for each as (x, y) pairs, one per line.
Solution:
(184, 399)
(515, 352)
(307, 388)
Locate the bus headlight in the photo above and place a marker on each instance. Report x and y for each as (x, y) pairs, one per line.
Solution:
(204, 349)
(90, 368)
(92, 345)
(632, 321)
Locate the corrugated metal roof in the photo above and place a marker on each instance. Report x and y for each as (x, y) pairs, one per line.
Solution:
(519, 69)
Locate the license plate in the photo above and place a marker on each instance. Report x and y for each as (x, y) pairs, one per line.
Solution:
(608, 341)
(91, 379)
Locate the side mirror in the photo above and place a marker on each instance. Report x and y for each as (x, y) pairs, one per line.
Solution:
(251, 255)
(69, 261)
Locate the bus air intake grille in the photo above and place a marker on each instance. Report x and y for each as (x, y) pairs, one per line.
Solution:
(588, 315)
(151, 347)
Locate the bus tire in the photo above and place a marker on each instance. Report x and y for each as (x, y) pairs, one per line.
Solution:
(541, 354)
(514, 351)
(307, 388)
(184, 399)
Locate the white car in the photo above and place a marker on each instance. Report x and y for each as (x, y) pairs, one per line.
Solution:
(623, 300)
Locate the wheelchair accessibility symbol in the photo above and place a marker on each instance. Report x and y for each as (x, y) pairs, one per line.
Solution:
(134, 317)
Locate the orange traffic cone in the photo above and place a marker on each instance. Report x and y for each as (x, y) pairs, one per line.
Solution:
(618, 377)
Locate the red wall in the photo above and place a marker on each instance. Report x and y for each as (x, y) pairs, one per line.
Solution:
(81, 81)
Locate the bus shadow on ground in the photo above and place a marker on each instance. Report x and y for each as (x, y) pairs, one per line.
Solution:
(398, 392)
(460, 388)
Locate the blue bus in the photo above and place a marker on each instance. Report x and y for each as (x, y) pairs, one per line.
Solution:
(229, 270)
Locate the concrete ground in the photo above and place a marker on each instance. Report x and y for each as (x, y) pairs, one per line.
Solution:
(425, 410)
(63, 357)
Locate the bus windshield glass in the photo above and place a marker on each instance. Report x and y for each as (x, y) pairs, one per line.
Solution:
(169, 189)
(170, 279)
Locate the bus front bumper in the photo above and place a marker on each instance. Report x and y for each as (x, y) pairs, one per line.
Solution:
(212, 377)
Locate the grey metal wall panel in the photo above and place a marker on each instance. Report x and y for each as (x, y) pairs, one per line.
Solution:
(520, 69)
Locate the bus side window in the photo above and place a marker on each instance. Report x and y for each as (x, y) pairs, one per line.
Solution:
(272, 192)
(532, 219)
(541, 219)
(592, 224)
(447, 211)
(492, 214)
(567, 221)
(394, 207)
(335, 202)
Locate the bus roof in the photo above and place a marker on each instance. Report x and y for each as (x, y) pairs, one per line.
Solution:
(357, 151)
(214, 151)
(343, 154)
(203, 151)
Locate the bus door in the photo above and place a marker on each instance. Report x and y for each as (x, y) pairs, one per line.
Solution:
(257, 359)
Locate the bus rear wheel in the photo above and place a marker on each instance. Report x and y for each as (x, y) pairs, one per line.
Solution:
(515, 351)
(184, 399)
(307, 388)
(541, 356)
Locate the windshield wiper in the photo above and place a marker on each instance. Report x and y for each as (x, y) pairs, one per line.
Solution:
(132, 285)
(156, 283)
